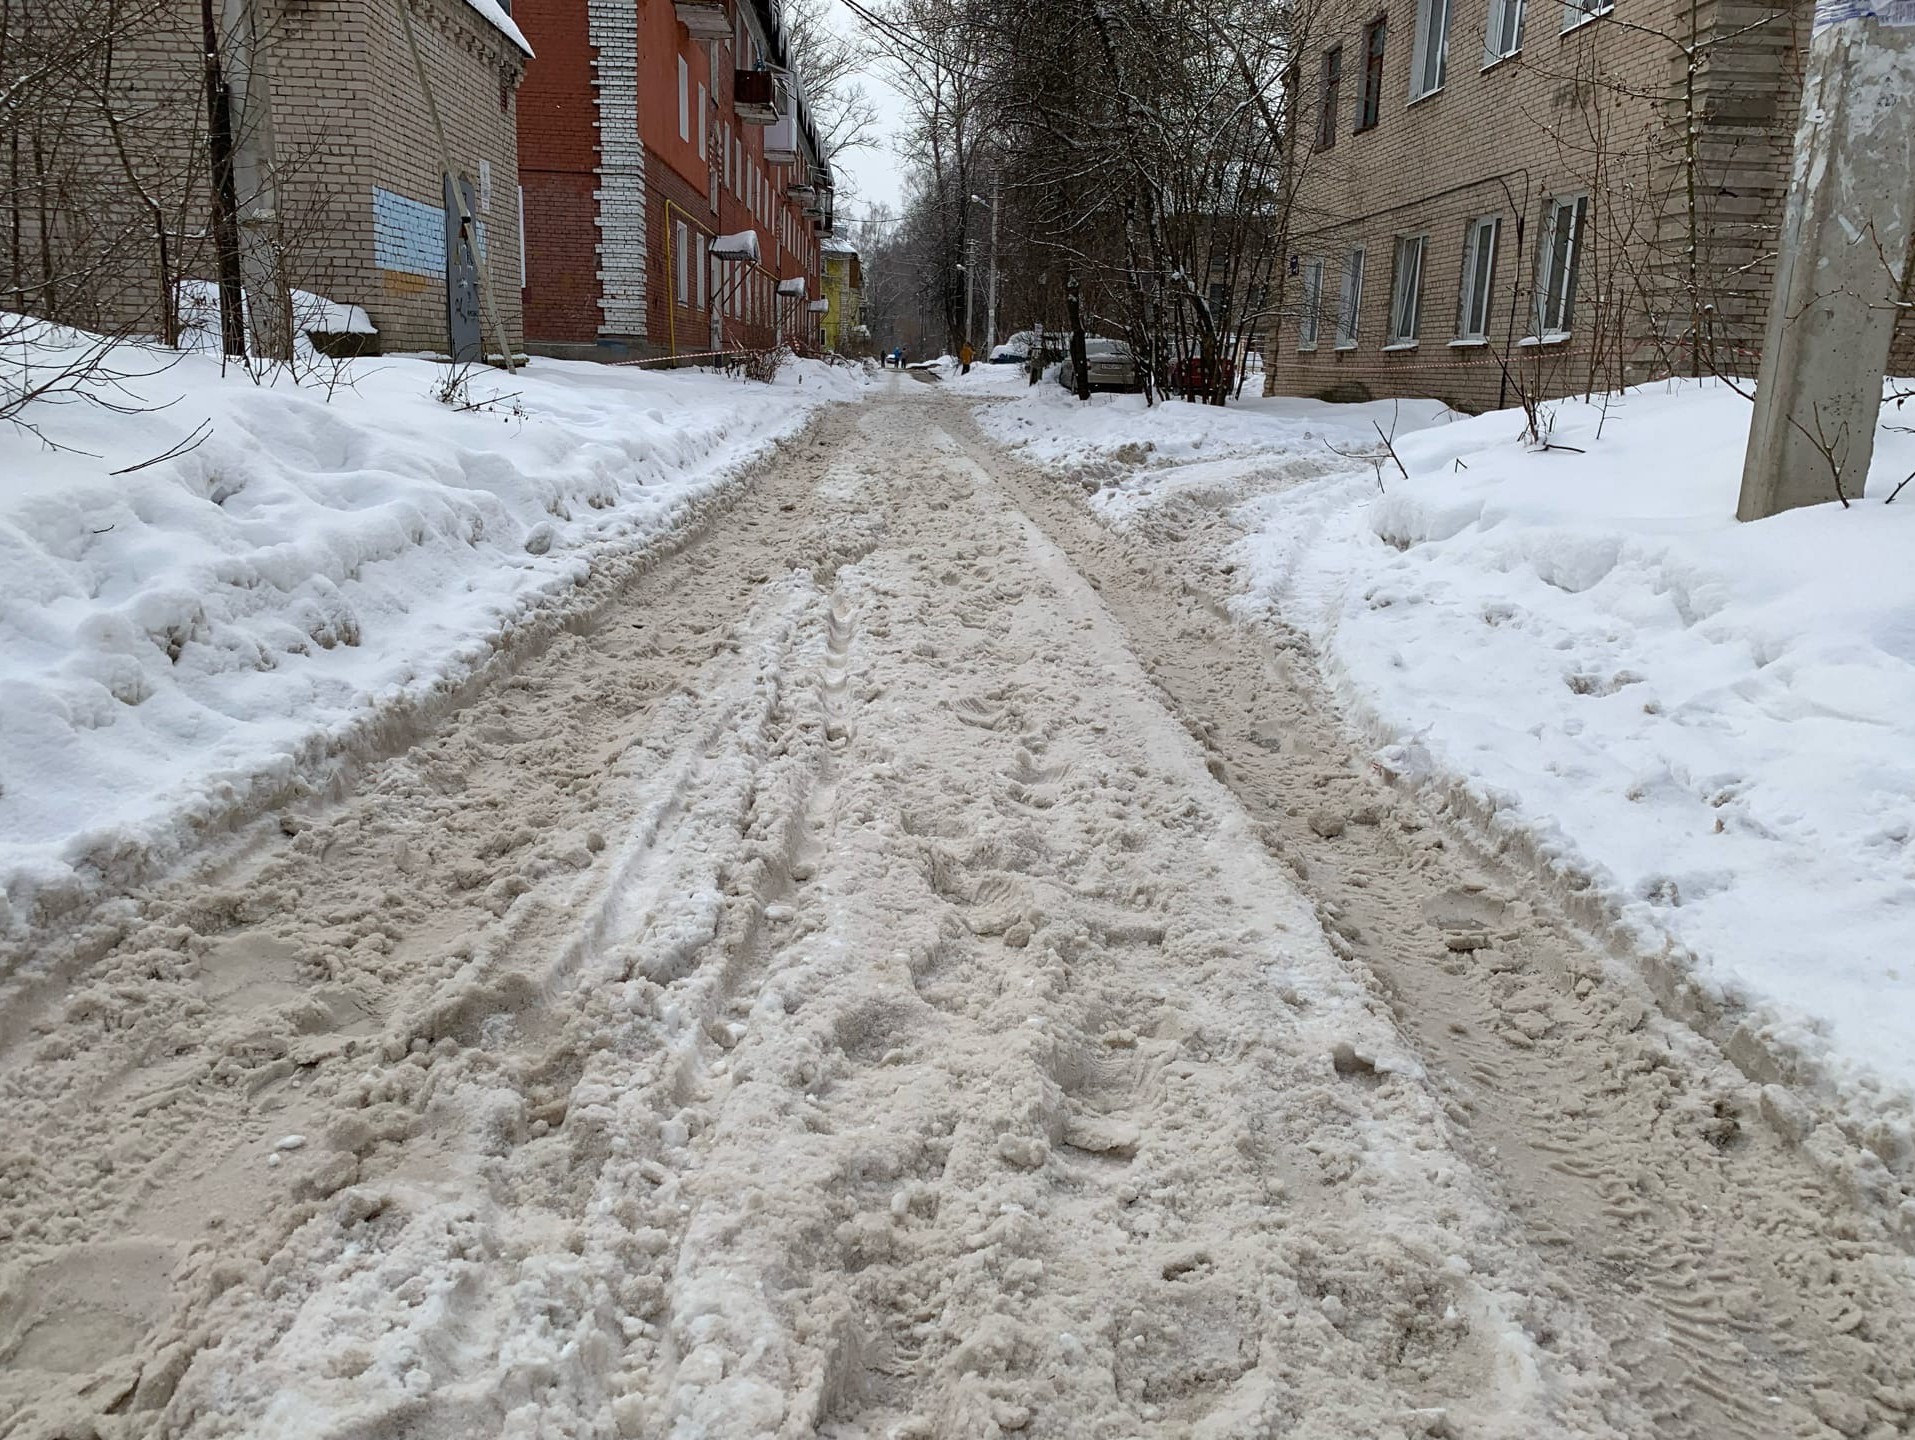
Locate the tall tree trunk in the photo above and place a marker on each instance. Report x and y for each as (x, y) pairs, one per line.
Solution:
(219, 144)
(1080, 359)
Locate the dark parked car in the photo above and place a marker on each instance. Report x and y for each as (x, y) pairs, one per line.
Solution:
(1108, 364)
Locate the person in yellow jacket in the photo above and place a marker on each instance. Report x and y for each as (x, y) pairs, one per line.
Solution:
(965, 352)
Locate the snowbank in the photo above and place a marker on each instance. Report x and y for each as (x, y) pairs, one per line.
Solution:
(1111, 434)
(1713, 723)
(1706, 728)
(179, 641)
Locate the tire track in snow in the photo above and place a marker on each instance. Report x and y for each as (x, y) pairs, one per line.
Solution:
(1742, 1293)
(1055, 1113)
(444, 988)
(845, 993)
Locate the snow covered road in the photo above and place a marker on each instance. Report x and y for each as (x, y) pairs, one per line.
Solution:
(906, 966)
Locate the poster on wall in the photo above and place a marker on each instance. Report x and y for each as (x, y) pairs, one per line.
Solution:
(462, 274)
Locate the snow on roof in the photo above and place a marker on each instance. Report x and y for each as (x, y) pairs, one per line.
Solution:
(501, 20)
(742, 246)
(795, 285)
(838, 245)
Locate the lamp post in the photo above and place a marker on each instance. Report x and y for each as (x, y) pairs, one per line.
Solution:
(990, 304)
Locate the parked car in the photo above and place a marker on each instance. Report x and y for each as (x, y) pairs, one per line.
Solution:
(1018, 349)
(1108, 364)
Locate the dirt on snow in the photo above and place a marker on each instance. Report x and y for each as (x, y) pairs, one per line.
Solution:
(903, 965)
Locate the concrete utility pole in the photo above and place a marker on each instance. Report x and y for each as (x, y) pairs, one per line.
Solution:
(1842, 271)
(990, 307)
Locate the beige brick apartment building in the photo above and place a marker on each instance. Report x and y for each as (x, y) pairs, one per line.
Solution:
(119, 218)
(1537, 192)
(358, 143)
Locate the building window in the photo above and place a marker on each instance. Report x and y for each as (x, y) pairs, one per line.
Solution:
(703, 107)
(1558, 257)
(1406, 290)
(1327, 97)
(1505, 35)
(682, 258)
(1432, 47)
(1310, 305)
(701, 254)
(1479, 274)
(1577, 11)
(1370, 103)
(684, 100)
(1350, 305)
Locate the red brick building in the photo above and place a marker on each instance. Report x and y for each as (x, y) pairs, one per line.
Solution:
(649, 131)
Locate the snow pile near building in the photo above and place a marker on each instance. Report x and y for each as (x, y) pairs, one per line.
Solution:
(1709, 726)
(1111, 435)
(183, 642)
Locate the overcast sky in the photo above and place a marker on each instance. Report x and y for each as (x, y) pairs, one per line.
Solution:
(875, 171)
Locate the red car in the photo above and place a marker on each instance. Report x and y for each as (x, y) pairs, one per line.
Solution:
(1188, 378)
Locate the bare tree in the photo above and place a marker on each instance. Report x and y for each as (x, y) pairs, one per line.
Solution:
(830, 62)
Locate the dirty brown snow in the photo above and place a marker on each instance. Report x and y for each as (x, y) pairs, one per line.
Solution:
(904, 966)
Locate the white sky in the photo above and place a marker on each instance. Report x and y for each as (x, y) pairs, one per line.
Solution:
(876, 172)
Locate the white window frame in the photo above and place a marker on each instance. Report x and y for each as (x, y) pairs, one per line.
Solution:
(1503, 37)
(704, 135)
(684, 101)
(681, 267)
(1310, 308)
(1476, 289)
(1406, 292)
(1429, 66)
(701, 247)
(1350, 299)
(1556, 287)
(1581, 12)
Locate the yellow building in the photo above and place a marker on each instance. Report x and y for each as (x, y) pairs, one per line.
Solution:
(843, 286)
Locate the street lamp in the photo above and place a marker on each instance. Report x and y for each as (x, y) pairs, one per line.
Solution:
(990, 306)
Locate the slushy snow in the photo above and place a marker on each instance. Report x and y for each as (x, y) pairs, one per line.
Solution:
(1707, 727)
(181, 640)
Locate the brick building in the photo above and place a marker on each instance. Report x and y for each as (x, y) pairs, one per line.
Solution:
(650, 131)
(1494, 194)
(359, 213)
(353, 124)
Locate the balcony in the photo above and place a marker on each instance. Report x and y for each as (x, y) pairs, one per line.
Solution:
(803, 191)
(706, 19)
(781, 140)
(758, 97)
